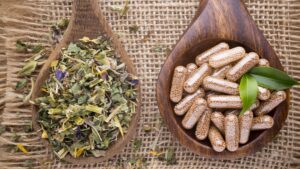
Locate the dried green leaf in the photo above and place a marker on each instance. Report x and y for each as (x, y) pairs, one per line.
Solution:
(121, 10)
(168, 156)
(28, 68)
(137, 143)
(21, 46)
(134, 28)
(21, 84)
(63, 23)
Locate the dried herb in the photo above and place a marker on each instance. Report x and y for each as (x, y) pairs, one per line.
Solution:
(137, 144)
(147, 128)
(122, 10)
(168, 156)
(21, 84)
(58, 30)
(134, 28)
(22, 148)
(88, 100)
(28, 68)
(23, 47)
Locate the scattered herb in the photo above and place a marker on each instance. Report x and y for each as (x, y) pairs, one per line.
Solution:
(21, 84)
(134, 28)
(22, 148)
(121, 10)
(272, 78)
(58, 30)
(28, 68)
(147, 128)
(63, 23)
(137, 144)
(88, 101)
(248, 92)
(158, 48)
(23, 47)
(137, 163)
(168, 156)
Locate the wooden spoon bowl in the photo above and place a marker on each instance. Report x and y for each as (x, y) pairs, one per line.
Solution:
(217, 21)
(87, 20)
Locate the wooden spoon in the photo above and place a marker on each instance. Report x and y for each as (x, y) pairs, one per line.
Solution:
(87, 20)
(217, 21)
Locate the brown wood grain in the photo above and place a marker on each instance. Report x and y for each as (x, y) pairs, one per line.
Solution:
(217, 21)
(87, 20)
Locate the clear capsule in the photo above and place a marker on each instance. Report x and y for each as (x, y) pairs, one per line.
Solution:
(194, 113)
(216, 139)
(262, 122)
(195, 80)
(231, 132)
(237, 71)
(245, 124)
(226, 57)
(224, 101)
(221, 73)
(191, 68)
(217, 118)
(183, 106)
(203, 125)
(263, 62)
(203, 57)
(263, 93)
(221, 85)
(267, 106)
(180, 74)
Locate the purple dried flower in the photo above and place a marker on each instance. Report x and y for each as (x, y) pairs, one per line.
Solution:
(59, 74)
(134, 82)
(104, 75)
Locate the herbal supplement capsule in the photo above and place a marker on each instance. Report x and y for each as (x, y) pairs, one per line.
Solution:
(221, 85)
(195, 80)
(255, 105)
(217, 118)
(203, 125)
(216, 139)
(263, 62)
(224, 101)
(194, 113)
(245, 123)
(237, 71)
(226, 57)
(203, 57)
(231, 132)
(232, 111)
(221, 73)
(262, 122)
(184, 105)
(263, 93)
(180, 74)
(191, 68)
(269, 105)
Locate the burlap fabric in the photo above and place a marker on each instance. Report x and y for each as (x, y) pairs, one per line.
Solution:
(161, 23)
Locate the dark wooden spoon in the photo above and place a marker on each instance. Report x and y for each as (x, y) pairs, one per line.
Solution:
(217, 21)
(87, 20)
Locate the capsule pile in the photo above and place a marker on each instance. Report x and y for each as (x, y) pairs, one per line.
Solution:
(206, 94)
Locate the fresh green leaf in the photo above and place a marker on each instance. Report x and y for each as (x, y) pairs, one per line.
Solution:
(28, 68)
(21, 84)
(272, 78)
(248, 92)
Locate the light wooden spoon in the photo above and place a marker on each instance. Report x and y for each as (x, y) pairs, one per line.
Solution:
(87, 20)
(217, 21)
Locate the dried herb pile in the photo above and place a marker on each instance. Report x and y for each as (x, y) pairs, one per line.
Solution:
(88, 100)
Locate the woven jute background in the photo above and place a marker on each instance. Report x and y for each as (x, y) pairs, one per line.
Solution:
(161, 23)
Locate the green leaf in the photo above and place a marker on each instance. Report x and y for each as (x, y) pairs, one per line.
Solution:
(248, 91)
(272, 78)
(28, 68)
(21, 84)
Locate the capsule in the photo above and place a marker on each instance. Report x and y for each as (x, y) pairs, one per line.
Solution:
(245, 123)
(224, 101)
(232, 111)
(221, 73)
(231, 132)
(237, 71)
(203, 57)
(263, 93)
(191, 68)
(269, 105)
(262, 122)
(194, 113)
(210, 93)
(180, 74)
(203, 125)
(255, 105)
(195, 80)
(217, 118)
(216, 139)
(221, 85)
(226, 57)
(184, 105)
(263, 62)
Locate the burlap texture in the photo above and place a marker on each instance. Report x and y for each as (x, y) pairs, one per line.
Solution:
(161, 23)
